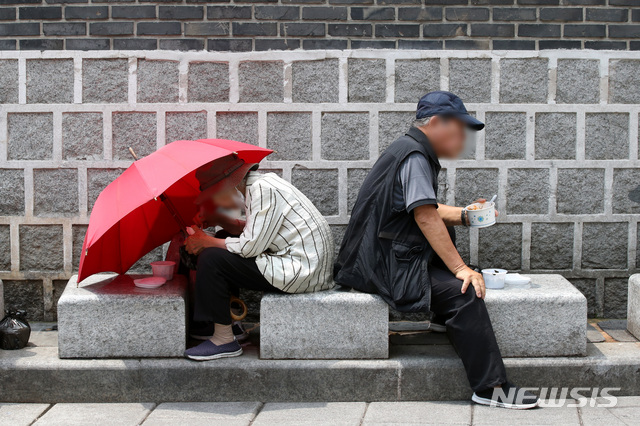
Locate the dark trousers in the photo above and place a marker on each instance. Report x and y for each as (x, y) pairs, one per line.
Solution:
(219, 274)
(469, 329)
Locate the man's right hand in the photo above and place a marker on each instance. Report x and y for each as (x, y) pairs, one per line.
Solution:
(469, 276)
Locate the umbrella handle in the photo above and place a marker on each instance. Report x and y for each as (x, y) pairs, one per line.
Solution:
(133, 153)
(234, 300)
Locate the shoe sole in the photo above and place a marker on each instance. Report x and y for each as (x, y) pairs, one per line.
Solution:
(239, 337)
(437, 328)
(486, 401)
(216, 356)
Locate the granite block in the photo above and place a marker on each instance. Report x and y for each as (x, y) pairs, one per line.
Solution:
(289, 135)
(25, 295)
(528, 191)
(578, 81)
(580, 191)
(157, 81)
(185, 126)
(505, 135)
(345, 136)
(312, 413)
(470, 79)
(41, 248)
(408, 412)
(555, 135)
(320, 186)
(523, 80)
(500, 246)
(633, 306)
(136, 130)
(588, 287)
(21, 414)
(597, 250)
(30, 136)
(607, 136)
(367, 80)
(55, 192)
(82, 136)
(624, 79)
(261, 81)
(11, 192)
(8, 82)
(392, 125)
(5, 252)
(97, 181)
(414, 78)
(522, 331)
(472, 184)
(615, 301)
(50, 81)
(105, 80)
(238, 126)
(325, 325)
(551, 245)
(626, 191)
(106, 316)
(208, 82)
(315, 81)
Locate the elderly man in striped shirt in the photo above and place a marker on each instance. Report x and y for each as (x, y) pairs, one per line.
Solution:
(284, 245)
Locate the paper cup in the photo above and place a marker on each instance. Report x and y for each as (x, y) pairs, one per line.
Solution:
(163, 269)
(494, 278)
(481, 215)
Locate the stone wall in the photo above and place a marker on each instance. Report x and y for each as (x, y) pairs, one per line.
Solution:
(245, 25)
(560, 148)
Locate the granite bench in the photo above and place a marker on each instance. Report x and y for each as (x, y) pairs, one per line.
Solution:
(547, 319)
(106, 316)
(1, 300)
(633, 306)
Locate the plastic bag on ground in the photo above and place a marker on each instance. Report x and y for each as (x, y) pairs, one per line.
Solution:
(14, 331)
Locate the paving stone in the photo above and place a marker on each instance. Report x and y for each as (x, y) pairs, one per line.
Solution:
(580, 191)
(555, 136)
(594, 335)
(21, 414)
(157, 81)
(210, 413)
(315, 81)
(82, 134)
(355, 178)
(392, 125)
(552, 245)
(41, 248)
(423, 412)
(607, 136)
(106, 314)
(11, 192)
(261, 81)
(208, 82)
(624, 81)
(105, 80)
(49, 81)
(311, 413)
(587, 287)
(238, 126)
(289, 134)
(597, 250)
(55, 192)
(578, 81)
(77, 239)
(320, 186)
(626, 191)
(500, 246)
(633, 306)
(484, 415)
(615, 298)
(528, 191)
(9, 81)
(472, 184)
(602, 416)
(30, 136)
(414, 78)
(505, 136)
(617, 328)
(470, 79)
(136, 130)
(69, 414)
(5, 253)
(523, 80)
(367, 80)
(25, 295)
(97, 180)
(185, 126)
(345, 136)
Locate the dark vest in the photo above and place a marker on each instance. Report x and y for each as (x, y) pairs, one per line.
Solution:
(384, 250)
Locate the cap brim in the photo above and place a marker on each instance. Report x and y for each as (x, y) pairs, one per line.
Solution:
(471, 122)
(231, 181)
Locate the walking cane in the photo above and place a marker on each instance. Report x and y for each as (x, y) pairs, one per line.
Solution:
(233, 301)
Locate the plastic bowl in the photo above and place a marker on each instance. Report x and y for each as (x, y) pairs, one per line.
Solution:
(481, 215)
(494, 278)
(163, 269)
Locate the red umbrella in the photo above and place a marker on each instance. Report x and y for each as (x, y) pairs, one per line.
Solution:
(147, 205)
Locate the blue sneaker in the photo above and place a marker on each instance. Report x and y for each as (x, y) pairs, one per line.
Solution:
(206, 351)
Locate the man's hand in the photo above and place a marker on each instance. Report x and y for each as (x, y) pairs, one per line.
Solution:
(482, 201)
(469, 276)
(197, 242)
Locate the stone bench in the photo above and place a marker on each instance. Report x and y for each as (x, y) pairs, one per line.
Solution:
(633, 306)
(547, 319)
(106, 316)
(332, 324)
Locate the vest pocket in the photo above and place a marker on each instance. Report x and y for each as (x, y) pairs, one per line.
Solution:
(406, 272)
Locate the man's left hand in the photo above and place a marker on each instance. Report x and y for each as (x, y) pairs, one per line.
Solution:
(197, 242)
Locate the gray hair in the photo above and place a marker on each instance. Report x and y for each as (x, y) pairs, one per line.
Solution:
(421, 122)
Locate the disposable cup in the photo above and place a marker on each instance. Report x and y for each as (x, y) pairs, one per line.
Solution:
(163, 269)
(494, 278)
(481, 215)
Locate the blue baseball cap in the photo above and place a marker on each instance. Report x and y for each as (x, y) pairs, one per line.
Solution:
(446, 104)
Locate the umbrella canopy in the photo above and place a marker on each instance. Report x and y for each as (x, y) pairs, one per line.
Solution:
(129, 219)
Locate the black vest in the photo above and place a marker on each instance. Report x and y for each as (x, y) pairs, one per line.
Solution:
(384, 250)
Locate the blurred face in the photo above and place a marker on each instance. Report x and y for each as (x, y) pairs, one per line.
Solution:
(225, 199)
(447, 136)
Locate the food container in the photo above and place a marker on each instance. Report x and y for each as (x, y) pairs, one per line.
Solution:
(494, 278)
(517, 281)
(163, 269)
(481, 215)
(149, 282)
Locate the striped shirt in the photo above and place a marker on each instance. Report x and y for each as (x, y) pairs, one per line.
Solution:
(289, 238)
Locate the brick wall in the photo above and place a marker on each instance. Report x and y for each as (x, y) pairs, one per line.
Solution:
(245, 25)
(560, 148)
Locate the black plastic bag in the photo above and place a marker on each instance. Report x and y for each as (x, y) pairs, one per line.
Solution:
(14, 331)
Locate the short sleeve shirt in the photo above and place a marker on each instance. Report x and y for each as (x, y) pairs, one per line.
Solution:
(415, 184)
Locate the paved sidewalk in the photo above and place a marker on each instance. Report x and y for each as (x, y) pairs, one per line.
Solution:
(627, 412)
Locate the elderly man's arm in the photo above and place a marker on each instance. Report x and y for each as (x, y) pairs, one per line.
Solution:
(450, 215)
(435, 231)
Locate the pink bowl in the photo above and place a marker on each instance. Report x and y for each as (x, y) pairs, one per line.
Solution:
(163, 269)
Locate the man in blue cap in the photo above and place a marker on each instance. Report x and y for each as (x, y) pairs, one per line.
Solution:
(400, 244)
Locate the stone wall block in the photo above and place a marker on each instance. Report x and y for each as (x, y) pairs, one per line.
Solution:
(501, 246)
(185, 126)
(414, 78)
(208, 82)
(471, 79)
(345, 136)
(555, 136)
(105, 80)
(315, 81)
(30, 136)
(289, 134)
(41, 248)
(523, 80)
(392, 125)
(8, 81)
(551, 245)
(320, 186)
(505, 136)
(25, 295)
(136, 130)
(11, 192)
(82, 134)
(5, 252)
(238, 126)
(607, 136)
(604, 245)
(580, 191)
(578, 81)
(367, 80)
(55, 192)
(624, 81)
(626, 191)
(50, 81)
(528, 191)
(261, 81)
(97, 180)
(472, 184)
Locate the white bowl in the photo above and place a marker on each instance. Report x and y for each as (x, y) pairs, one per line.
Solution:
(481, 215)
(149, 282)
(494, 278)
